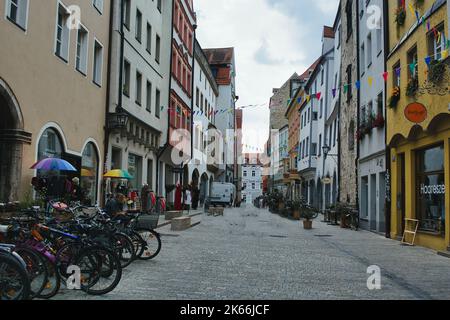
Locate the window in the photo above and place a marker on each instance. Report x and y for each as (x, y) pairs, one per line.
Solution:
(380, 104)
(313, 149)
(138, 31)
(149, 38)
(17, 12)
(322, 75)
(369, 50)
(320, 145)
(321, 108)
(349, 17)
(349, 83)
(396, 74)
(253, 186)
(158, 48)
(245, 173)
(127, 13)
(412, 61)
(197, 97)
(62, 34)
(82, 50)
(362, 116)
(138, 88)
(159, 5)
(98, 4)
(430, 189)
(126, 78)
(363, 59)
(98, 63)
(436, 44)
(351, 136)
(335, 132)
(307, 147)
(379, 39)
(157, 103)
(315, 116)
(253, 173)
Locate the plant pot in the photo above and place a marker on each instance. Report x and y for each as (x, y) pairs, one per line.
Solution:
(307, 224)
(296, 214)
(343, 222)
(281, 206)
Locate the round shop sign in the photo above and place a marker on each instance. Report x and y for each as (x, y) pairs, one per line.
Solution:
(416, 112)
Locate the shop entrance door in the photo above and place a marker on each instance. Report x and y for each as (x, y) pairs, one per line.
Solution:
(401, 195)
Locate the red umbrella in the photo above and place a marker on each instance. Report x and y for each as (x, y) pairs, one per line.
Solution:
(178, 196)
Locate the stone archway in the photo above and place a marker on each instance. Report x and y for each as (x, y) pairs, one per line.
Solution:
(12, 138)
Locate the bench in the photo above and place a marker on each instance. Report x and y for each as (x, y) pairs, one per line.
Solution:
(216, 211)
(173, 214)
(181, 224)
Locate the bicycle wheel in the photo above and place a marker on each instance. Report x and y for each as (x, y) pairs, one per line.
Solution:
(94, 262)
(138, 242)
(152, 245)
(36, 269)
(14, 281)
(124, 248)
(53, 284)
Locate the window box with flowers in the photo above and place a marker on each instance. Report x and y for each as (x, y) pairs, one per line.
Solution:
(400, 15)
(437, 71)
(379, 121)
(370, 123)
(395, 97)
(412, 87)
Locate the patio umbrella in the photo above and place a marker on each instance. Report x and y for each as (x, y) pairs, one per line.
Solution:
(86, 173)
(53, 164)
(118, 174)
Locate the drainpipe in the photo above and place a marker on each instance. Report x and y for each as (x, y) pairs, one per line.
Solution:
(358, 96)
(108, 98)
(167, 144)
(387, 210)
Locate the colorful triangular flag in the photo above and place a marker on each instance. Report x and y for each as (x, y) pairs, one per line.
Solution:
(318, 95)
(358, 84)
(333, 92)
(385, 75)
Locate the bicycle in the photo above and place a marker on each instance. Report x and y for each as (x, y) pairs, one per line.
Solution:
(14, 281)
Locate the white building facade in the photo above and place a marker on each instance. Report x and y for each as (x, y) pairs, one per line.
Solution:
(139, 82)
(206, 92)
(252, 172)
(371, 133)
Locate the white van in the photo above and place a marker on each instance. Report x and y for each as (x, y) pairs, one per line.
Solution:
(222, 194)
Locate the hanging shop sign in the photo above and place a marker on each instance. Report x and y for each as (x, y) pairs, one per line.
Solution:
(327, 181)
(416, 112)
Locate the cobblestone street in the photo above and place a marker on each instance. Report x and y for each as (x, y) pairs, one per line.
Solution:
(253, 254)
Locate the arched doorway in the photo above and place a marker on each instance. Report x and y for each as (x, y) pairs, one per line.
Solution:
(319, 195)
(334, 193)
(12, 138)
(89, 173)
(195, 191)
(211, 182)
(203, 188)
(51, 146)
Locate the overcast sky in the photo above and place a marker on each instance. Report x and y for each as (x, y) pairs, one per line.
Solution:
(272, 40)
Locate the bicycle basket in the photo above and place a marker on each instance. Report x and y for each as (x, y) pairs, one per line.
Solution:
(148, 221)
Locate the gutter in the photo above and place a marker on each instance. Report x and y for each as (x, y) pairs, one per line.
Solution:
(388, 202)
(108, 98)
(167, 144)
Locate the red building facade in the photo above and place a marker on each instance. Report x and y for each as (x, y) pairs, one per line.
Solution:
(182, 61)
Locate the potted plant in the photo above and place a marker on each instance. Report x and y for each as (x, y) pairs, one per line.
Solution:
(437, 71)
(296, 209)
(412, 87)
(370, 123)
(395, 97)
(400, 15)
(308, 214)
(379, 121)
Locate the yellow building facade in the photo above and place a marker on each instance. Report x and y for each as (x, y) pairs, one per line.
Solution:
(418, 120)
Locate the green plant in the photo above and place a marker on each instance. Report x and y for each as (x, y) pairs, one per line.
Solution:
(400, 15)
(395, 97)
(412, 87)
(437, 71)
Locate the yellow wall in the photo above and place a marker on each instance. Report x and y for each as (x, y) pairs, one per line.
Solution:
(47, 89)
(399, 127)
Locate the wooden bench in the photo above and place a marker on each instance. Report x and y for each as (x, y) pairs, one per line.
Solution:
(181, 224)
(216, 211)
(173, 214)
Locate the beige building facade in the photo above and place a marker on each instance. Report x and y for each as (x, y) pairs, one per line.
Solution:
(53, 82)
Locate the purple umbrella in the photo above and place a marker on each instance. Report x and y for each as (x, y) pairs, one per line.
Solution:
(53, 164)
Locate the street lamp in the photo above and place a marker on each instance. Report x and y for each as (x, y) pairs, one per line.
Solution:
(117, 120)
(326, 151)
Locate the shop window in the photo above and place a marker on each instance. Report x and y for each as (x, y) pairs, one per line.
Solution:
(430, 189)
(89, 174)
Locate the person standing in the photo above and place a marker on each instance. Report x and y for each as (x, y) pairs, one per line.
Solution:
(188, 200)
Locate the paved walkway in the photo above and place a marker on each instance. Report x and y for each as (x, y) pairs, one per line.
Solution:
(253, 254)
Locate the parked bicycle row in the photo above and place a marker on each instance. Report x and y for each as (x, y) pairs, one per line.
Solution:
(77, 247)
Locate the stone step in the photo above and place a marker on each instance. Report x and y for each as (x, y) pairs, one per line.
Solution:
(173, 214)
(181, 224)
